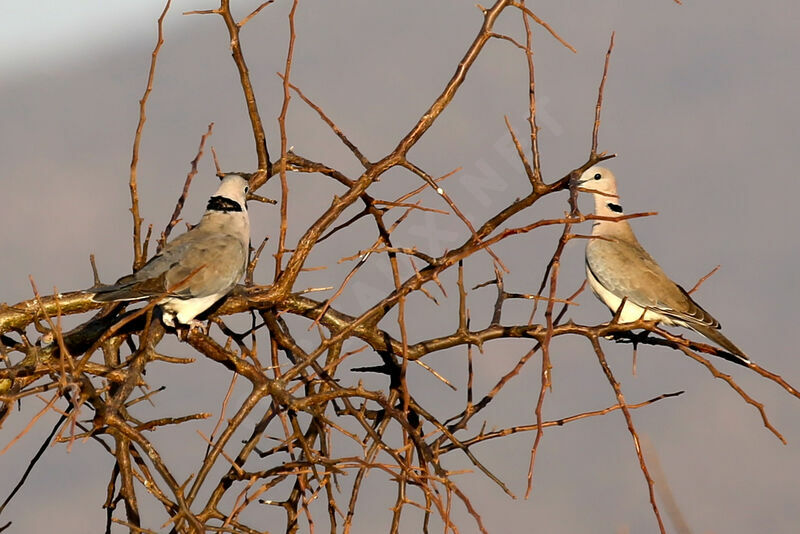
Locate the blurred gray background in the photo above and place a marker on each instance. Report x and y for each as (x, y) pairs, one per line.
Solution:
(701, 105)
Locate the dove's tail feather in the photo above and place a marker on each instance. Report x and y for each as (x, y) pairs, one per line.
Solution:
(116, 295)
(119, 292)
(131, 287)
(716, 336)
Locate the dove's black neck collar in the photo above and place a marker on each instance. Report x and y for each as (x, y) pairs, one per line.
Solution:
(223, 204)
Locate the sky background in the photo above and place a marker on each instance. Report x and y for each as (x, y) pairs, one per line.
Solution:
(701, 106)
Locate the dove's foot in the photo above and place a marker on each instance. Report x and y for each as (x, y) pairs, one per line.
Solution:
(202, 326)
(192, 326)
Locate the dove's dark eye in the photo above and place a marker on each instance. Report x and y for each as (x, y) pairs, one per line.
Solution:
(246, 189)
(597, 176)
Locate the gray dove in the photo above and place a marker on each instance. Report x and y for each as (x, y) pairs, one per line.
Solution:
(617, 267)
(197, 268)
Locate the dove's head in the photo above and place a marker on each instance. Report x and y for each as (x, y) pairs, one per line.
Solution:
(233, 187)
(601, 182)
(598, 180)
(227, 208)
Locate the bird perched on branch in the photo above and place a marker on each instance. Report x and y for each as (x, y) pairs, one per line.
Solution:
(197, 268)
(618, 268)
